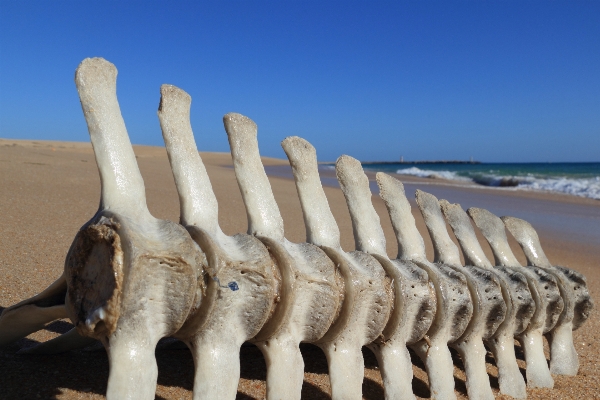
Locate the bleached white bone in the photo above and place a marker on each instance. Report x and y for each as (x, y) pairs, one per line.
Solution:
(309, 291)
(104, 269)
(197, 201)
(321, 227)
(366, 303)
(393, 357)
(60, 344)
(520, 305)
(226, 318)
(489, 308)
(573, 290)
(33, 314)
(131, 277)
(20, 322)
(414, 302)
(453, 308)
(544, 290)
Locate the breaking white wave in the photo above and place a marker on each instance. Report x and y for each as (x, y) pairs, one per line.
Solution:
(578, 187)
(425, 173)
(583, 187)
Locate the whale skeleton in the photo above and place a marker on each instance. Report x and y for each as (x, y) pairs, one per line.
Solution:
(131, 279)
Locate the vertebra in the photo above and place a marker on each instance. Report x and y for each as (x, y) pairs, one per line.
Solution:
(544, 290)
(241, 259)
(413, 298)
(573, 290)
(367, 290)
(515, 293)
(454, 305)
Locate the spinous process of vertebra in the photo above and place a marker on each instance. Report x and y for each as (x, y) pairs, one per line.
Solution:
(131, 279)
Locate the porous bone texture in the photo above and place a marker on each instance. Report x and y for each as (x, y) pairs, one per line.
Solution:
(225, 318)
(133, 277)
(414, 304)
(515, 293)
(309, 291)
(453, 303)
(543, 289)
(488, 305)
(368, 295)
(573, 290)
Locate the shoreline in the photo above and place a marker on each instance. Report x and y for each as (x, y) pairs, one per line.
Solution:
(50, 189)
(418, 162)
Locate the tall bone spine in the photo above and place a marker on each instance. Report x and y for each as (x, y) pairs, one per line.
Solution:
(130, 277)
(394, 360)
(224, 319)
(489, 308)
(515, 292)
(122, 188)
(198, 203)
(346, 366)
(366, 305)
(573, 290)
(414, 301)
(543, 288)
(310, 289)
(454, 308)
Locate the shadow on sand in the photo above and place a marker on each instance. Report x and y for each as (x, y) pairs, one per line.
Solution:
(86, 371)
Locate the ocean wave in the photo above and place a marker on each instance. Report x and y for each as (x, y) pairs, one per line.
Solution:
(578, 187)
(583, 187)
(425, 173)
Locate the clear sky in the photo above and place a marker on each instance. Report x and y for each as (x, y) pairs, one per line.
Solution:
(498, 81)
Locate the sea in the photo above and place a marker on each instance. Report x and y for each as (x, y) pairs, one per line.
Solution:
(578, 179)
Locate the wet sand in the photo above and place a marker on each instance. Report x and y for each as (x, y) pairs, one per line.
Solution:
(49, 189)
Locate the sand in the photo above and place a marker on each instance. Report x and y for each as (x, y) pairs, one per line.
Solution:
(49, 189)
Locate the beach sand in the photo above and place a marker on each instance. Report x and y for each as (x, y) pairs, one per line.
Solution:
(49, 189)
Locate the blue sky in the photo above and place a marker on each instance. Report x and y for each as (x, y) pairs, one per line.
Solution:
(498, 81)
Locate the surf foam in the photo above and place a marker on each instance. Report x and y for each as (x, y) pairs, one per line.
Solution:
(583, 187)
